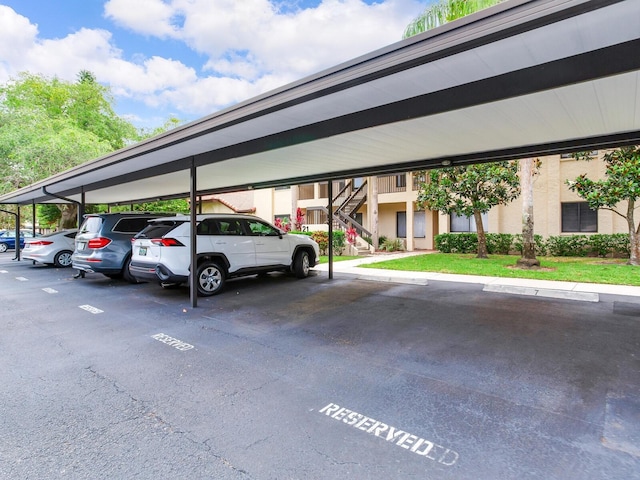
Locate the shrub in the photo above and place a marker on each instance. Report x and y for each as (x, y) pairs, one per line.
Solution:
(338, 242)
(620, 244)
(557, 246)
(518, 244)
(322, 239)
(393, 245)
(568, 246)
(499, 243)
(457, 242)
(381, 240)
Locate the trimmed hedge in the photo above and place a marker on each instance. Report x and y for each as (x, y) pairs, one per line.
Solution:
(322, 238)
(601, 245)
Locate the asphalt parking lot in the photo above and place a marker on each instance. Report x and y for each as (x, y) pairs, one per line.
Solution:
(279, 378)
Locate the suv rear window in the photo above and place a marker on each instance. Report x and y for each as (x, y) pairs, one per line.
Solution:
(91, 225)
(130, 225)
(158, 229)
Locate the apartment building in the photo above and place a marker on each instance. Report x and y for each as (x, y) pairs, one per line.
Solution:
(557, 210)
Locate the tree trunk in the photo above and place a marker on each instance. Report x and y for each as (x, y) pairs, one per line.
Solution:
(68, 218)
(528, 259)
(634, 236)
(482, 238)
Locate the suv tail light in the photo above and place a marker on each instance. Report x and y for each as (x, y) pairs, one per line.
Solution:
(167, 242)
(99, 242)
(40, 242)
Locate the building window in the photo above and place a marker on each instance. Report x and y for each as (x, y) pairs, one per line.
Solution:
(419, 226)
(401, 181)
(592, 153)
(460, 223)
(578, 217)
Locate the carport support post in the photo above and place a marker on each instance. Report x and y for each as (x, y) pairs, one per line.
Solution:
(18, 221)
(81, 208)
(193, 289)
(330, 220)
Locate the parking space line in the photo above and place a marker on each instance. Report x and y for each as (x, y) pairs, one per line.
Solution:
(49, 290)
(172, 342)
(22, 279)
(413, 443)
(91, 309)
(4, 271)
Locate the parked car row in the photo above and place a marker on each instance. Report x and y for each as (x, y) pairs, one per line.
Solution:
(227, 246)
(8, 239)
(157, 248)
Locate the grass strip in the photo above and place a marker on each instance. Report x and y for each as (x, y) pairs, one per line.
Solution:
(572, 269)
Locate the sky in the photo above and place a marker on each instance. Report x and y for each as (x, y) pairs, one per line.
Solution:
(190, 58)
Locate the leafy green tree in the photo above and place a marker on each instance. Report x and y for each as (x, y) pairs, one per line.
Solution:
(445, 11)
(470, 191)
(618, 191)
(86, 104)
(49, 125)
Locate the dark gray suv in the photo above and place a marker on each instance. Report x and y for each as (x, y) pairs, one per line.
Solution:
(103, 242)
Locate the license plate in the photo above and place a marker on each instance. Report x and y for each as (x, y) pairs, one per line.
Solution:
(142, 251)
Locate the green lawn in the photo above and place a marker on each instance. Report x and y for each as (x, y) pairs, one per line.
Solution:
(573, 269)
(337, 258)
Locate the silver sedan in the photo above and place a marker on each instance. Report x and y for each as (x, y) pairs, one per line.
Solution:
(53, 249)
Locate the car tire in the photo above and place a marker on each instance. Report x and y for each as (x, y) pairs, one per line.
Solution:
(210, 280)
(126, 274)
(3, 247)
(63, 259)
(301, 264)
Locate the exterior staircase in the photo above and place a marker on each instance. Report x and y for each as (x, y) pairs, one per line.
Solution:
(349, 200)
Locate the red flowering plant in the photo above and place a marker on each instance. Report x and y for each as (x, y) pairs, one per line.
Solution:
(351, 235)
(282, 224)
(299, 220)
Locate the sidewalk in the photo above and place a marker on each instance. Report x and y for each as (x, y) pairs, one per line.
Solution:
(588, 292)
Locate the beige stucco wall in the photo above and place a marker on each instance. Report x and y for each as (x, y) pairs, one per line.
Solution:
(550, 190)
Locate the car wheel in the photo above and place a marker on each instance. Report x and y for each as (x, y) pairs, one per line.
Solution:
(126, 274)
(63, 259)
(210, 279)
(301, 264)
(3, 247)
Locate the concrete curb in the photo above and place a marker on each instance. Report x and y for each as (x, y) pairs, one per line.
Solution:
(586, 292)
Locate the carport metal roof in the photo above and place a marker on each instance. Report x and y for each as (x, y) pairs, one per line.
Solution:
(520, 79)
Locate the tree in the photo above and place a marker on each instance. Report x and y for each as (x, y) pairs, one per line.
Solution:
(49, 125)
(443, 12)
(528, 169)
(621, 186)
(470, 191)
(447, 11)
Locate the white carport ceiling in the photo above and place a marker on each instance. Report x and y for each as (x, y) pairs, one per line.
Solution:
(524, 78)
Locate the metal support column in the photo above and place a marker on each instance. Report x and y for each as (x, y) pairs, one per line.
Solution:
(17, 227)
(33, 218)
(18, 221)
(193, 288)
(330, 220)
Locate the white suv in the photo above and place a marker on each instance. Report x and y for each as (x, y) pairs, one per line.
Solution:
(228, 245)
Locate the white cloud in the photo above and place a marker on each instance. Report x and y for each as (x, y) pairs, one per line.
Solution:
(17, 35)
(148, 17)
(245, 47)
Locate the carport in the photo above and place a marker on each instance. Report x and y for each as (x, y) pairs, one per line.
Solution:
(524, 78)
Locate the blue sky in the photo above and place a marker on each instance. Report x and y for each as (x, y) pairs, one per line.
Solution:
(190, 58)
